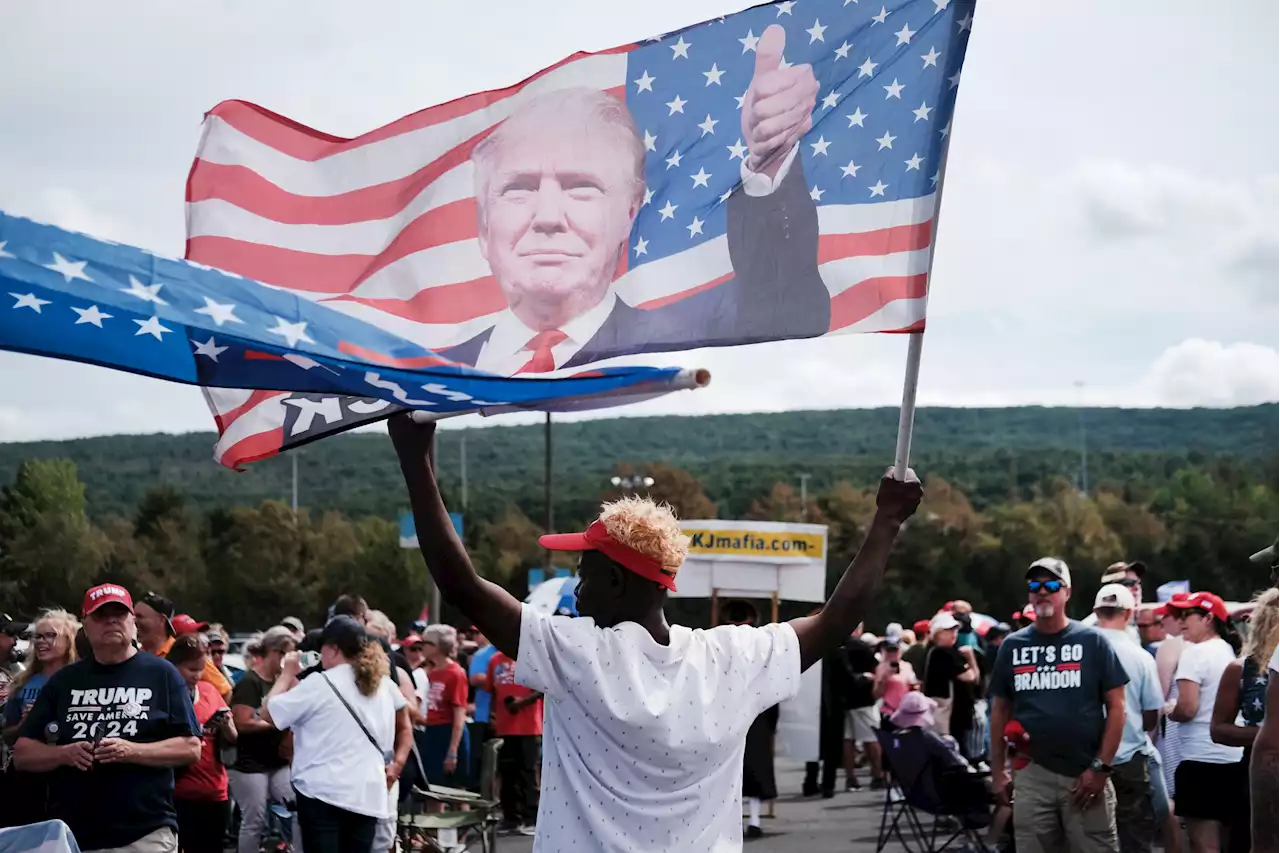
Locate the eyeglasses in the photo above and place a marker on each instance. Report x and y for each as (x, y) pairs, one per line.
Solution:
(45, 637)
(217, 652)
(1130, 583)
(1047, 586)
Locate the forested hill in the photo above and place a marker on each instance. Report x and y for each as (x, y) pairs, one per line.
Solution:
(991, 454)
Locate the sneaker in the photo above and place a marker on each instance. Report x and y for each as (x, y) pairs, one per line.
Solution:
(754, 832)
(851, 783)
(527, 830)
(507, 827)
(877, 784)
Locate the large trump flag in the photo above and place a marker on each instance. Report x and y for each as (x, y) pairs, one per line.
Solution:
(769, 175)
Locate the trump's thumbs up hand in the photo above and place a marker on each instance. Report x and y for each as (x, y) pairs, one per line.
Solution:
(778, 107)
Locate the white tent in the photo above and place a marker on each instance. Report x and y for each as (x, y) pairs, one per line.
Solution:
(769, 560)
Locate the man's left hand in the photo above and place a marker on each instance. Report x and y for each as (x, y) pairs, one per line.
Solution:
(1087, 789)
(115, 751)
(899, 499)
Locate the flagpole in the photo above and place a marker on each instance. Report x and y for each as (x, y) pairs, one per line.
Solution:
(915, 340)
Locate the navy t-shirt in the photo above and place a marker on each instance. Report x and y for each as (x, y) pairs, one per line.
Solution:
(1056, 684)
(144, 700)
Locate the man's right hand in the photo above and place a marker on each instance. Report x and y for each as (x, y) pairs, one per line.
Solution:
(413, 441)
(78, 755)
(897, 499)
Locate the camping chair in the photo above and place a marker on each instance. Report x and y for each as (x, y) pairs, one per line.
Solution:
(928, 806)
(417, 826)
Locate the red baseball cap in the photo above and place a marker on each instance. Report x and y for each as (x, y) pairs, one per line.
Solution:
(107, 593)
(1163, 610)
(1029, 612)
(411, 640)
(597, 538)
(1204, 601)
(921, 628)
(184, 624)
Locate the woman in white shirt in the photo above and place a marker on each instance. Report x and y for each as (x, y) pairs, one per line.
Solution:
(351, 737)
(1205, 775)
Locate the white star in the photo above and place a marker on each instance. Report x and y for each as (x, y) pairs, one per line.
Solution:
(740, 99)
(90, 315)
(668, 211)
(29, 300)
(676, 106)
(737, 150)
(784, 8)
(830, 100)
(151, 326)
(648, 196)
(209, 349)
(714, 75)
(820, 147)
(934, 177)
(904, 35)
(725, 195)
(941, 5)
(67, 269)
(219, 313)
(946, 128)
(914, 162)
(954, 80)
(147, 293)
(842, 52)
(849, 170)
(815, 32)
(674, 159)
(885, 141)
(708, 125)
(680, 48)
(894, 90)
(642, 247)
(695, 227)
(815, 193)
(965, 23)
(930, 58)
(3, 253)
(644, 83)
(847, 2)
(879, 19)
(750, 41)
(922, 112)
(650, 141)
(867, 68)
(879, 188)
(291, 332)
(782, 63)
(856, 117)
(700, 179)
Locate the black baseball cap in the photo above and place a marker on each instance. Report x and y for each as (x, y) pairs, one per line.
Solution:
(163, 606)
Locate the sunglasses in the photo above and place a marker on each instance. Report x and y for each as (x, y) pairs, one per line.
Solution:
(1130, 583)
(1047, 586)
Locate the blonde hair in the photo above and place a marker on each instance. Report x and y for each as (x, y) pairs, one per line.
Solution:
(908, 637)
(370, 666)
(648, 527)
(1264, 628)
(66, 626)
(377, 622)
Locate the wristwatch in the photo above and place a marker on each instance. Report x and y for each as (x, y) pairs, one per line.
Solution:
(1098, 767)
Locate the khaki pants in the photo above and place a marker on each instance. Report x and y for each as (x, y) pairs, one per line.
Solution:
(1046, 821)
(163, 840)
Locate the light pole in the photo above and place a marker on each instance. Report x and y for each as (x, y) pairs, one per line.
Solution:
(804, 496)
(634, 482)
(293, 458)
(1084, 441)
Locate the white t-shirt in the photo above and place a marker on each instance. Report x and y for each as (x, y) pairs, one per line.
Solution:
(1204, 664)
(643, 744)
(421, 686)
(333, 761)
(1274, 666)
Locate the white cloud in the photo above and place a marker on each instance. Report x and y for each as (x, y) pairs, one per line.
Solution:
(1210, 373)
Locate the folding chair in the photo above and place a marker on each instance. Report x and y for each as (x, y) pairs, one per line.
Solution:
(478, 822)
(928, 806)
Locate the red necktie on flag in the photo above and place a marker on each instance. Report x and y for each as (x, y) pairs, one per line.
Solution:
(541, 345)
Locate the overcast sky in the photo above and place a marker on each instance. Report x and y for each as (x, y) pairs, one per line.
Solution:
(1110, 216)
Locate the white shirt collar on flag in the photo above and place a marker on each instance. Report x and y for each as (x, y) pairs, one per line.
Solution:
(504, 353)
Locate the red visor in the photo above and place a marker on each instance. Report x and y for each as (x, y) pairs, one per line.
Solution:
(1204, 601)
(597, 538)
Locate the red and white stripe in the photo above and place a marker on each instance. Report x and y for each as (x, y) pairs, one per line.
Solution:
(383, 228)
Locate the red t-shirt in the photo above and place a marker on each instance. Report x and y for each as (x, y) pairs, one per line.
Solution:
(447, 690)
(206, 780)
(502, 681)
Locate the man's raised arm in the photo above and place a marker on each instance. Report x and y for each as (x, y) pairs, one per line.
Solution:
(896, 501)
(493, 610)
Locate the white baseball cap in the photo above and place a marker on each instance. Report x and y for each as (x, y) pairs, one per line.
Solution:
(1052, 566)
(1114, 595)
(943, 621)
(893, 631)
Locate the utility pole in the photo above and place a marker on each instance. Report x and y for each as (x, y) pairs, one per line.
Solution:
(551, 519)
(293, 458)
(804, 496)
(1084, 442)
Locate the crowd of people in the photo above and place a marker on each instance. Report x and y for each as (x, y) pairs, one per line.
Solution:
(1145, 722)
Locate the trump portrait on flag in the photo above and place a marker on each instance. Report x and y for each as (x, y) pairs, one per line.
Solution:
(558, 186)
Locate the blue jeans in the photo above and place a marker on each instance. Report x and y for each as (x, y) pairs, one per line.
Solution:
(1159, 793)
(329, 829)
